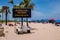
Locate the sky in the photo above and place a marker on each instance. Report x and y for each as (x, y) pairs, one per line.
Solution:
(43, 9)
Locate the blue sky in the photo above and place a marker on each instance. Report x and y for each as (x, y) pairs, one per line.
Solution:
(43, 9)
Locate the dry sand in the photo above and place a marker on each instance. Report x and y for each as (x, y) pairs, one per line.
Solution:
(41, 32)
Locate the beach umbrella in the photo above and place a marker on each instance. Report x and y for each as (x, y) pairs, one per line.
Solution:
(52, 19)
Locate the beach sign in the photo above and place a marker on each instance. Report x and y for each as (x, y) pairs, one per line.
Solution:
(21, 13)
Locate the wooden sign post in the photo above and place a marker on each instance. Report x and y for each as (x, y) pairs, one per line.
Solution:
(22, 13)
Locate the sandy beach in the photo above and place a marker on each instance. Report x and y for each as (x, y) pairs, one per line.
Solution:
(41, 32)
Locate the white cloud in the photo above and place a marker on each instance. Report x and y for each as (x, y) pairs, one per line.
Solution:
(17, 4)
(37, 15)
(55, 10)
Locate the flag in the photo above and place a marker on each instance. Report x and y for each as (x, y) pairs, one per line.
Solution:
(11, 1)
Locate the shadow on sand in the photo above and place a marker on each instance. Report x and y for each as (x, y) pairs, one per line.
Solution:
(3, 35)
(33, 29)
(26, 33)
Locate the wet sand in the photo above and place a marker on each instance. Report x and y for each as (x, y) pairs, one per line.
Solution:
(41, 32)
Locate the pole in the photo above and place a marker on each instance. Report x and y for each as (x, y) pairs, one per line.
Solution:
(6, 16)
(27, 21)
(15, 21)
(21, 22)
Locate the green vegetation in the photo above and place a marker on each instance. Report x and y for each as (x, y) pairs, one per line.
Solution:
(7, 20)
(6, 10)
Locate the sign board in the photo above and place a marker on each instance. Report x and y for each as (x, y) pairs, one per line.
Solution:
(25, 13)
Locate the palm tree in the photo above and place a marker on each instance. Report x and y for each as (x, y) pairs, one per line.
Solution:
(27, 4)
(24, 4)
(11, 2)
(2, 11)
(5, 9)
